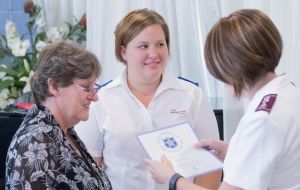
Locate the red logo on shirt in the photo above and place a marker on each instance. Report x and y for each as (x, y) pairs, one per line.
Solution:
(180, 112)
(266, 103)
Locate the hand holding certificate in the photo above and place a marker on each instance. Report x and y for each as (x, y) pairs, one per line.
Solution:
(177, 144)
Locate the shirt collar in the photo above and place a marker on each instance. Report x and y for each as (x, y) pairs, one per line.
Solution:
(169, 81)
(273, 85)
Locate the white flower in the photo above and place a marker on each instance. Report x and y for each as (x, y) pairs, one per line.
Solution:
(40, 22)
(10, 28)
(4, 101)
(11, 33)
(4, 93)
(19, 48)
(40, 45)
(55, 34)
(23, 53)
(27, 80)
(12, 41)
(2, 74)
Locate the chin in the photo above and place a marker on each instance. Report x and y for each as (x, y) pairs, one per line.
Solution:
(84, 117)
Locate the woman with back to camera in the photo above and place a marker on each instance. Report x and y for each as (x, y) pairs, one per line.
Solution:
(145, 97)
(243, 50)
(45, 152)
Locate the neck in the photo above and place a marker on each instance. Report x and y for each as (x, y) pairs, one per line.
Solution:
(144, 91)
(249, 94)
(52, 105)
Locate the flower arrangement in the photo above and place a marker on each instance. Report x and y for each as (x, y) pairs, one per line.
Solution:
(20, 53)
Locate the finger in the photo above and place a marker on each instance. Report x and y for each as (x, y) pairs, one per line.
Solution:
(204, 144)
(147, 161)
(163, 158)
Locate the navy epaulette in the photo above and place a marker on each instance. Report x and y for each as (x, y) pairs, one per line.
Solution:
(267, 103)
(195, 83)
(102, 85)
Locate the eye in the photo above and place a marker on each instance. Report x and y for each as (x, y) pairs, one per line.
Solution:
(144, 46)
(161, 44)
(85, 88)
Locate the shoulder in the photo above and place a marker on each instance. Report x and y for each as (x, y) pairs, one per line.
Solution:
(188, 81)
(110, 84)
(189, 86)
(104, 85)
(266, 104)
(186, 84)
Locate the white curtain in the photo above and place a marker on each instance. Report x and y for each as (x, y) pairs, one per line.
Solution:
(188, 22)
(286, 16)
(56, 12)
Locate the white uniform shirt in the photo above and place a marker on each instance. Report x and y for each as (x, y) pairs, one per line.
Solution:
(118, 116)
(264, 152)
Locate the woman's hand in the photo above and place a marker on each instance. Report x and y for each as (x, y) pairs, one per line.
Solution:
(217, 147)
(160, 171)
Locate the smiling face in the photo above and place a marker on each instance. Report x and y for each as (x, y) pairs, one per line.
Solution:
(146, 55)
(75, 100)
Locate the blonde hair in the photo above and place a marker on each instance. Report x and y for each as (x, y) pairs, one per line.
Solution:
(132, 24)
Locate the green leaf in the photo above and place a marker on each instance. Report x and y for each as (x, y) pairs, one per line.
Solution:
(5, 84)
(40, 37)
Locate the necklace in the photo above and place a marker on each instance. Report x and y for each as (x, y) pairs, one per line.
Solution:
(73, 145)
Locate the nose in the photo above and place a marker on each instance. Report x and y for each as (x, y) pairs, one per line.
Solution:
(153, 52)
(94, 97)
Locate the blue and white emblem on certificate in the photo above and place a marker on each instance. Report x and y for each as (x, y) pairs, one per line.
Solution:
(169, 141)
(176, 142)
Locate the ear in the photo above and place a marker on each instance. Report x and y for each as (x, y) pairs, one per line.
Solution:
(123, 53)
(52, 87)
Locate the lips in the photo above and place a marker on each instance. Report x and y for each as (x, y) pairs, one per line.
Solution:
(150, 63)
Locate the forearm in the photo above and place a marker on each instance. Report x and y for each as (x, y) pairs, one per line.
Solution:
(185, 184)
(211, 180)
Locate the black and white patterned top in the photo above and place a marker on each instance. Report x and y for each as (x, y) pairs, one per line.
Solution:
(40, 157)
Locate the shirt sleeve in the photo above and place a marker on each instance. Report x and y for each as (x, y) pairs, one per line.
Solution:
(253, 151)
(90, 131)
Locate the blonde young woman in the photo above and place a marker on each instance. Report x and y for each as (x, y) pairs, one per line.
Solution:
(145, 97)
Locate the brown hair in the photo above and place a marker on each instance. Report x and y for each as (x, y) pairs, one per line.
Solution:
(132, 24)
(242, 47)
(62, 62)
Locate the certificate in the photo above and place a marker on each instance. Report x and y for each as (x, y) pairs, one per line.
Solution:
(177, 144)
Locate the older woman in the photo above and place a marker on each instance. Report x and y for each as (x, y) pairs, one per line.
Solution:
(46, 153)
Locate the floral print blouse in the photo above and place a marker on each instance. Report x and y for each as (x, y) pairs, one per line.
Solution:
(40, 157)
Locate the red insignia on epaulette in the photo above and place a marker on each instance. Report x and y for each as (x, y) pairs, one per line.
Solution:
(267, 103)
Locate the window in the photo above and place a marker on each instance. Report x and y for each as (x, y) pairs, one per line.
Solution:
(13, 10)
